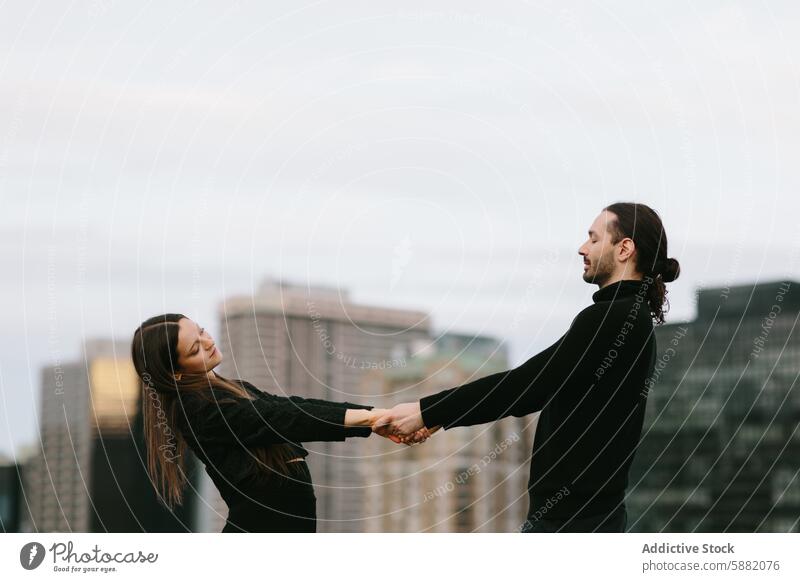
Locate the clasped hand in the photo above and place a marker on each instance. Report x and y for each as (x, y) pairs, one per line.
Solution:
(403, 424)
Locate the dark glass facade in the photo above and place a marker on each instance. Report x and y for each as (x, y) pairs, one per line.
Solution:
(720, 448)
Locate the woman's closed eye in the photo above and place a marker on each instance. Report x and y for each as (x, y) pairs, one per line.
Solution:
(197, 350)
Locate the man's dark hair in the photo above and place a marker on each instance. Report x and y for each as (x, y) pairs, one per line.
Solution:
(643, 224)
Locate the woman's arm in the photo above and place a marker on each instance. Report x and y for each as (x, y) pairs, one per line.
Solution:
(262, 421)
(355, 415)
(358, 417)
(330, 402)
(300, 399)
(361, 417)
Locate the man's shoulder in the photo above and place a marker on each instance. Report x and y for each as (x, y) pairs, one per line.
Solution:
(593, 314)
(614, 315)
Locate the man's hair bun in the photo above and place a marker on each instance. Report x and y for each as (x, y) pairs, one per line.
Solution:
(671, 270)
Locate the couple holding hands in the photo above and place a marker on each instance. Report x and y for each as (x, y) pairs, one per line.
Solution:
(589, 386)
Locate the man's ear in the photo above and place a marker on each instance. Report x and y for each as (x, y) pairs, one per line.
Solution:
(626, 249)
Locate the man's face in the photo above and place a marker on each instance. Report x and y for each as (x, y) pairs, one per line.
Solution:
(598, 251)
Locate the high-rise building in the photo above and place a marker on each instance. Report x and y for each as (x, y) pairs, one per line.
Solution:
(15, 515)
(721, 443)
(316, 343)
(467, 479)
(10, 495)
(89, 474)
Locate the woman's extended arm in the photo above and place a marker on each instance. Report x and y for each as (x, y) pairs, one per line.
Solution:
(301, 399)
(359, 416)
(264, 421)
(362, 417)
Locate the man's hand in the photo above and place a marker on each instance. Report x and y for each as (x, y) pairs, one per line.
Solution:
(401, 421)
(420, 436)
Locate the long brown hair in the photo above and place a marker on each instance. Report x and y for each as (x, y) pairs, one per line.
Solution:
(154, 351)
(643, 224)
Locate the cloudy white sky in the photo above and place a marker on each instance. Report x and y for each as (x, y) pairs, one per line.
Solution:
(447, 157)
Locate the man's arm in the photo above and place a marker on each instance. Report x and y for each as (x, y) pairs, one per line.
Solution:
(524, 389)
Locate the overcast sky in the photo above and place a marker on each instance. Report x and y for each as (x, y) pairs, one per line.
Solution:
(161, 157)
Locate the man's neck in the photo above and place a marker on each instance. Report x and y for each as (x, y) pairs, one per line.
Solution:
(622, 277)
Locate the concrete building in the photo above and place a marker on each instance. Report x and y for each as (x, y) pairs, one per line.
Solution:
(467, 479)
(315, 342)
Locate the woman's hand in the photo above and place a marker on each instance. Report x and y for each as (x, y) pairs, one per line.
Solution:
(375, 415)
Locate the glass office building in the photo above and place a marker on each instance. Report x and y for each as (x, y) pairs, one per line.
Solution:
(720, 448)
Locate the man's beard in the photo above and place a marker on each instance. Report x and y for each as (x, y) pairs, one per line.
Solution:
(601, 272)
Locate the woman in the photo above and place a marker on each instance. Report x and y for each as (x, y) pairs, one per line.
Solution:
(248, 440)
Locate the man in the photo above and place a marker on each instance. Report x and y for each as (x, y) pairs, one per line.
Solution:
(590, 385)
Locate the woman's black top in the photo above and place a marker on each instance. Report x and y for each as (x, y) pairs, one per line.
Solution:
(591, 389)
(220, 430)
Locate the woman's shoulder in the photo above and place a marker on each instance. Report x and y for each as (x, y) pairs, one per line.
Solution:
(252, 388)
(222, 395)
(240, 382)
(197, 399)
(246, 385)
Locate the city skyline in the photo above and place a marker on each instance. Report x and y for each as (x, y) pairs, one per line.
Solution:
(518, 356)
(159, 157)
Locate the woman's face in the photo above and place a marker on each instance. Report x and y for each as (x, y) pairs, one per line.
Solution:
(197, 352)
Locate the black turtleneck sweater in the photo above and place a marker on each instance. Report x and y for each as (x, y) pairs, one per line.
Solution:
(221, 428)
(590, 388)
